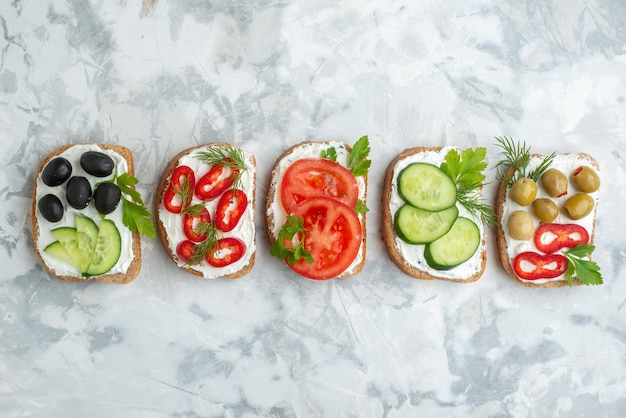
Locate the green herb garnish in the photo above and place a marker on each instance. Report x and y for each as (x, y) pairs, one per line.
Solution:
(135, 216)
(465, 170)
(225, 156)
(517, 155)
(193, 210)
(360, 207)
(580, 266)
(358, 162)
(287, 232)
(330, 154)
(203, 248)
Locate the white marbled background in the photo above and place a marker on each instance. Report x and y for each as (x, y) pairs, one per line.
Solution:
(266, 75)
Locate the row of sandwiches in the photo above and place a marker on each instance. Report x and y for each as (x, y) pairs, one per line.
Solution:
(87, 217)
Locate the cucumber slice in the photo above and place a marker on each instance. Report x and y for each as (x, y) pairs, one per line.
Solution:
(107, 249)
(455, 247)
(87, 234)
(426, 187)
(68, 238)
(57, 250)
(418, 226)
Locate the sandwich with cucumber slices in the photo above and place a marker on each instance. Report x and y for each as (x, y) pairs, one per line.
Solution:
(434, 217)
(87, 215)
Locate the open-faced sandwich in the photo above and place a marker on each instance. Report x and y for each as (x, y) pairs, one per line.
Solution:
(315, 210)
(205, 210)
(434, 218)
(86, 215)
(546, 210)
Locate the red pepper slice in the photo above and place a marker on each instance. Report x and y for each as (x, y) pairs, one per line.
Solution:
(185, 250)
(552, 237)
(190, 222)
(230, 209)
(215, 182)
(532, 266)
(172, 199)
(227, 251)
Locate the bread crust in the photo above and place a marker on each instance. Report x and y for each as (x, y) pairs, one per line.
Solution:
(272, 189)
(119, 278)
(389, 234)
(501, 240)
(158, 202)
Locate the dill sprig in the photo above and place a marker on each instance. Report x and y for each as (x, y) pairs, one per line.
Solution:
(185, 193)
(475, 205)
(517, 155)
(193, 210)
(225, 156)
(203, 248)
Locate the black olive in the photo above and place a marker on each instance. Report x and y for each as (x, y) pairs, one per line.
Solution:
(107, 196)
(97, 163)
(51, 208)
(56, 172)
(78, 192)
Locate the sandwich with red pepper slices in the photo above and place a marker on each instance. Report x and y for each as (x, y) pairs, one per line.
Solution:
(316, 205)
(546, 209)
(205, 210)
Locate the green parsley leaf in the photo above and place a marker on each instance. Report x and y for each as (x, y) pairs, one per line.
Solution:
(465, 170)
(126, 182)
(358, 162)
(330, 154)
(136, 216)
(295, 252)
(360, 207)
(580, 266)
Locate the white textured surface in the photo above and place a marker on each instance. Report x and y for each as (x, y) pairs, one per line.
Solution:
(267, 76)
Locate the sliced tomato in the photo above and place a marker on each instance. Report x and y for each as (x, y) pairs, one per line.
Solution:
(190, 222)
(185, 250)
(182, 181)
(530, 265)
(229, 210)
(313, 177)
(552, 237)
(333, 236)
(227, 251)
(215, 182)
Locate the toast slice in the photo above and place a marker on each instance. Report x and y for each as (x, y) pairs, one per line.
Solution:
(275, 215)
(509, 248)
(128, 266)
(410, 257)
(169, 225)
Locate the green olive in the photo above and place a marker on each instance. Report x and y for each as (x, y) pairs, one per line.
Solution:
(578, 206)
(524, 191)
(521, 225)
(586, 179)
(554, 182)
(545, 209)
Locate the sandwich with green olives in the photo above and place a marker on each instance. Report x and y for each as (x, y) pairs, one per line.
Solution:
(546, 208)
(434, 218)
(87, 215)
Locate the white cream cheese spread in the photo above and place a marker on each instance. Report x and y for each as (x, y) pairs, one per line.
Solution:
(414, 254)
(244, 231)
(565, 163)
(44, 234)
(277, 214)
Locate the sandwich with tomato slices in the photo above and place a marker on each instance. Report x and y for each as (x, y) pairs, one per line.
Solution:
(316, 206)
(205, 210)
(546, 208)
